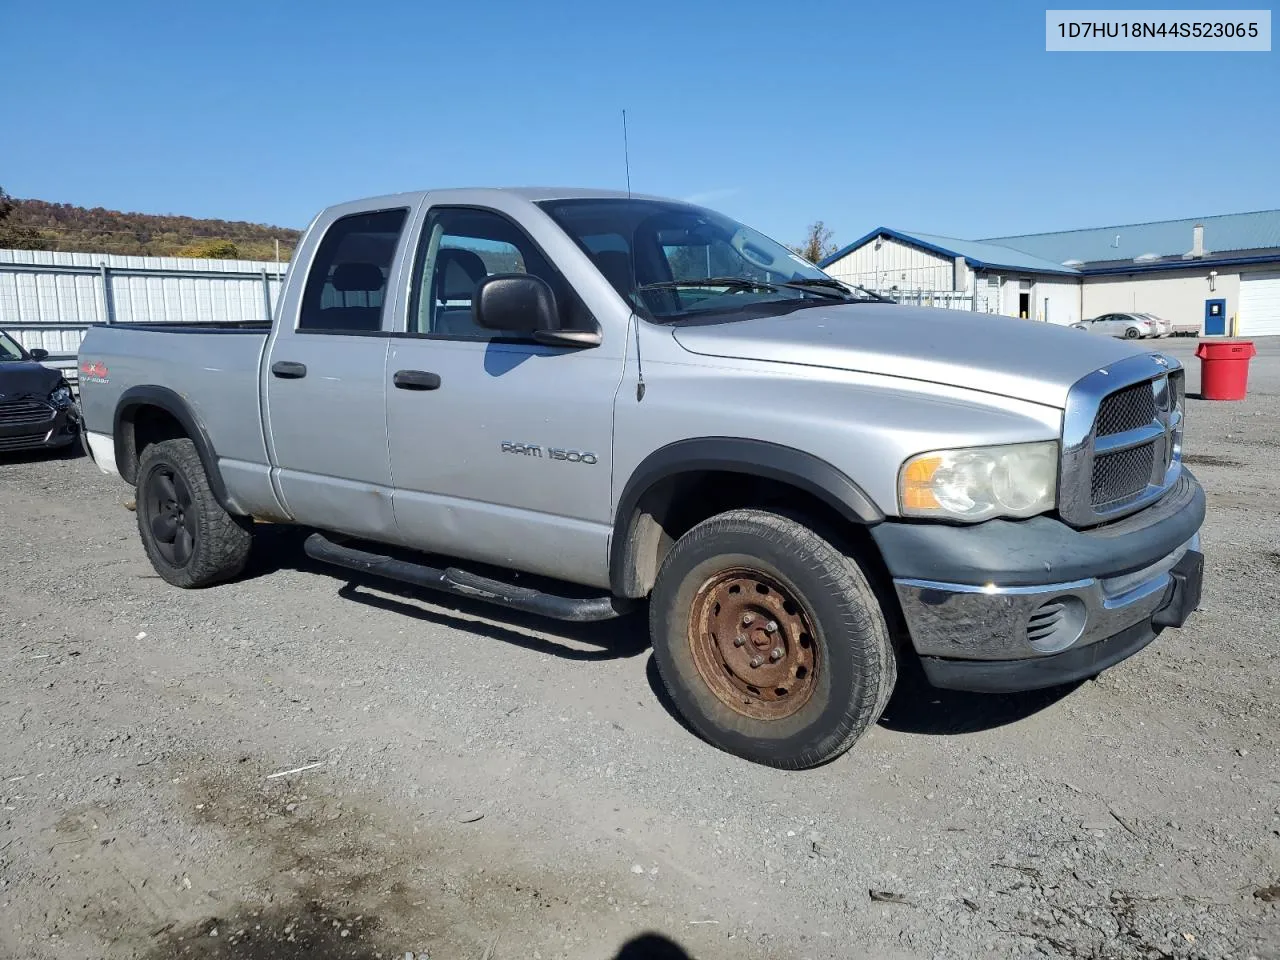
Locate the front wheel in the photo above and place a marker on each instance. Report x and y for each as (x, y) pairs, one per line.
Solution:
(769, 640)
(189, 538)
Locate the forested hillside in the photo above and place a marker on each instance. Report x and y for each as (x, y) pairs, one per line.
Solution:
(40, 225)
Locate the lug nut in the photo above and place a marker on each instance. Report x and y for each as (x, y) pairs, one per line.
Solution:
(739, 640)
(775, 654)
(771, 627)
(748, 619)
(757, 660)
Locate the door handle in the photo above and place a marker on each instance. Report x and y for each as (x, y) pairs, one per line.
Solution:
(416, 380)
(288, 370)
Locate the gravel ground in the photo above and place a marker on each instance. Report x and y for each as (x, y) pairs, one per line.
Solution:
(484, 785)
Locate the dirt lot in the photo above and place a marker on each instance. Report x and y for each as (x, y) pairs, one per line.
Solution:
(483, 785)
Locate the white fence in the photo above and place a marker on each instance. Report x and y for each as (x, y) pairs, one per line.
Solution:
(49, 299)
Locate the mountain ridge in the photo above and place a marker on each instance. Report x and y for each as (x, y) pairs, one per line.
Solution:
(68, 227)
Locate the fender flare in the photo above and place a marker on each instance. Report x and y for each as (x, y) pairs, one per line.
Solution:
(173, 404)
(734, 455)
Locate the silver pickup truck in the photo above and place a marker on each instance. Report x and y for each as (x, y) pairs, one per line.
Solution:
(615, 398)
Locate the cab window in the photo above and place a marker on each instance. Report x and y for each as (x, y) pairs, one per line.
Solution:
(346, 288)
(461, 246)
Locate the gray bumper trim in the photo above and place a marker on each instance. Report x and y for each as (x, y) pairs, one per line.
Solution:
(1042, 549)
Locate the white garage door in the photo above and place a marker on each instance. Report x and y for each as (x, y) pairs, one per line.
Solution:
(1259, 304)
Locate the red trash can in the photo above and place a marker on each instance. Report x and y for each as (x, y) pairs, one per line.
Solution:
(1224, 368)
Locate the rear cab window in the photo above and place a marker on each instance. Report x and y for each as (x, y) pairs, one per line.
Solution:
(346, 289)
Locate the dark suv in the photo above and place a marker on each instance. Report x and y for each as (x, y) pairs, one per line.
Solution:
(37, 409)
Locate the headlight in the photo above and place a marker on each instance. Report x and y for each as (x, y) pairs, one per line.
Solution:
(977, 483)
(61, 397)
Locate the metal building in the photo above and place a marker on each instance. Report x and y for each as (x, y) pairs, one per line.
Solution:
(1213, 275)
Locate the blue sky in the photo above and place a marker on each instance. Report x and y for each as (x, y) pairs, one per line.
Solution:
(948, 118)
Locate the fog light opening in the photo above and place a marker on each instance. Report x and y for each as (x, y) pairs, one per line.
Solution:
(1056, 624)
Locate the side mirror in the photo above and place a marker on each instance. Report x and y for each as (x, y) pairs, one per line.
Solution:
(515, 301)
(525, 304)
(39, 354)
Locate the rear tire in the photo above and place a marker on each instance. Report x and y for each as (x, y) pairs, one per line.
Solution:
(189, 538)
(769, 640)
(1132, 333)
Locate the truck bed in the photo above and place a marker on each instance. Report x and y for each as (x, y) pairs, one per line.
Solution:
(213, 367)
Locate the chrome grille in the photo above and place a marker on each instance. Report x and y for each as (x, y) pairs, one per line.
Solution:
(1121, 437)
(1173, 398)
(1121, 475)
(23, 412)
(1126, 409)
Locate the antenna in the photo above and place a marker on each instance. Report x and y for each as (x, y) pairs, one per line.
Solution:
(626, 152)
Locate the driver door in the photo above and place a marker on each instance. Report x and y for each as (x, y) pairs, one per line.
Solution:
(501, 447)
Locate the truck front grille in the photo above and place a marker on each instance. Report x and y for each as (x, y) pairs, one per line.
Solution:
(1121, 475)
(1126, 409)
(26, 412)
(1122, 434)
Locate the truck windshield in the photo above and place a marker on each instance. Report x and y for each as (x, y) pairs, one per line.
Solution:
(674, 261)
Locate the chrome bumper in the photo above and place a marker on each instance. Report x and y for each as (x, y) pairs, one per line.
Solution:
(967, 622)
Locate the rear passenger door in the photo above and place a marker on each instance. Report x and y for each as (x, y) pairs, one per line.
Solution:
(501, 447)
(323, 379)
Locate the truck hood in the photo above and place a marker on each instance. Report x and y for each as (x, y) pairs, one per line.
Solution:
(1015, 358)
(26, 378)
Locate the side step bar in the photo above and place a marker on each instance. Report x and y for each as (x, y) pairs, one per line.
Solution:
(464, 584)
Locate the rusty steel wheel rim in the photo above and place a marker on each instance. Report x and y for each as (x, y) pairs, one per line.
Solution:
(754, 644)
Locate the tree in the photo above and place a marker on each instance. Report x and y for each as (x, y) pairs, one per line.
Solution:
(817, 243)
(210, 250)
(16, 236)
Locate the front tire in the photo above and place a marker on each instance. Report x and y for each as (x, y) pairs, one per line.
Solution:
(189, 538)
(769, 640)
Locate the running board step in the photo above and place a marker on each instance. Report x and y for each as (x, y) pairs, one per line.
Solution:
(464, 584)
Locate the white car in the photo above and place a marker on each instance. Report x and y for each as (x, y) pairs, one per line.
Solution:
(1164, 328)
(1129, 326)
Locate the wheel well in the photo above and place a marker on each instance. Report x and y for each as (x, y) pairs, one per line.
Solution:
(674, 505)
(140, 427)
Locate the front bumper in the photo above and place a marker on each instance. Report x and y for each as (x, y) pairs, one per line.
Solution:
(1001, 624)
(40, 432)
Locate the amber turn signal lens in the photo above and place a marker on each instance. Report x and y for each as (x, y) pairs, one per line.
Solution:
(917, 484)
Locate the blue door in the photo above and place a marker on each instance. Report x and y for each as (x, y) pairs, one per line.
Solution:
(1215, 318)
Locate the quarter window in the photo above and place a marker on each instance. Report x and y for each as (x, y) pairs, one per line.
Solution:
(347, 286)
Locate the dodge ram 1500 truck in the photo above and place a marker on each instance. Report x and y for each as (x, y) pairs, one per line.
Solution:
(619, 398)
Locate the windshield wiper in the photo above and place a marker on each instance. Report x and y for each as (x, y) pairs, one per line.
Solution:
(820, 284)
(827, 288)
(737, 283)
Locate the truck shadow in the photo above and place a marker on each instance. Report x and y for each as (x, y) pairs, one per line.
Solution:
(916, 707)
(280, 548)
(609, 640)
(919, 707)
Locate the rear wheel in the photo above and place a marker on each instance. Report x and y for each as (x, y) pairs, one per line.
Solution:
(189, 538)
(1132, 333)
(769, 640)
